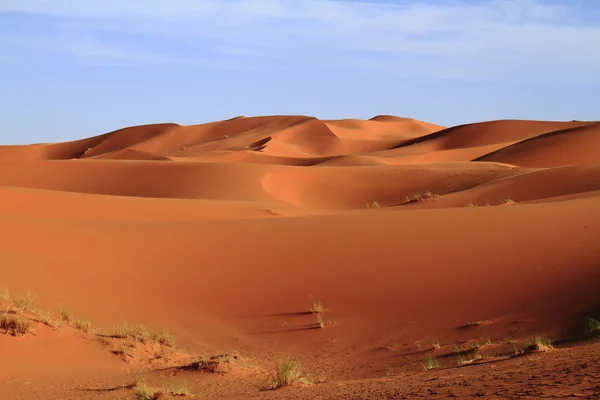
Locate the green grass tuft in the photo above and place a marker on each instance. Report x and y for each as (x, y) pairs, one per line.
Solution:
(431, 363)
(593, 325)
(543, 343)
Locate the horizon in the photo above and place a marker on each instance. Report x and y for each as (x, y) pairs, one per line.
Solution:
(71, 71)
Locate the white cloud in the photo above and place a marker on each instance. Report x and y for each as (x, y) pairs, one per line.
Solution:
(485, 39)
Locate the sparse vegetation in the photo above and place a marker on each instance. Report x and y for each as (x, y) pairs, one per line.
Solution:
(516, 349)
(165, 338)
(25, 303)
(593, 325)
(320, 321)
(508, 201)
(436, 345)
(145, 392)
(66, 315)
(84, 325)
(422, 197)
(45, 317)
(374, 204)
(542, 343)
(431, 363)
(142, 334)
(15, 325)
(317, 306)
(286, 374)
(179, 389)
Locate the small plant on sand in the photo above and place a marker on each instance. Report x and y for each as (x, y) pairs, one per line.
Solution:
(26, 303)
(46, 318)
(145, 392)
(516, 349)
(179, 389)
(542, 343)
(508, 201)
(165, 338)
(14, 324)
(436, 345)
(142, 334)
(421, 197)
(317, 306)
(593, 326)
(66, 315)
(136, 332)
(320, 320)
(374, 204)
(286, 374)
(84, 325)
(431, 363)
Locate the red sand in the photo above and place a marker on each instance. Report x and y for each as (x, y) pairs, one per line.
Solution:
(406, 231)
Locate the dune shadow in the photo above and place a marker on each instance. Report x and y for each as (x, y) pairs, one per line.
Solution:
(112, 389)
(281, 315)
(303, 328)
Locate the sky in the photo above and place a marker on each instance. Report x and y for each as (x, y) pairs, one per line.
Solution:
(71, 69)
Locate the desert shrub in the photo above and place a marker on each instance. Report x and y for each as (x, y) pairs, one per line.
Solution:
(142, 334)
(26, 303)
(15, 325)
(431, 363)
(66, 315)
(84, 325)
(287, 373)
(179, 389)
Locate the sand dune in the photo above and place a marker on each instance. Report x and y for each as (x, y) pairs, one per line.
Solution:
(409, 233)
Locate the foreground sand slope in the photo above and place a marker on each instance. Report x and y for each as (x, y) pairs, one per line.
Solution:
(406, 232)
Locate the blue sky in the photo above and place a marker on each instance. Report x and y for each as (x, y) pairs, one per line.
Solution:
(76, 68)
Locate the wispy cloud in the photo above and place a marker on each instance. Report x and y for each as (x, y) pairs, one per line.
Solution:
(487, 39)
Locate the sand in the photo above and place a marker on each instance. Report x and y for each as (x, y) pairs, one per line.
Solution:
(459, 245)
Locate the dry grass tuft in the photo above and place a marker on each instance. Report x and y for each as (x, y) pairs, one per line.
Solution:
(179, 389)
(15, 325)
(286, 374)
(431, 363)
(142, 334)
(320, 320)
(66, 315)
(145, 392)
(84, 325)
(542, 343)
(26, 303)
(508, 201)
(317, 306)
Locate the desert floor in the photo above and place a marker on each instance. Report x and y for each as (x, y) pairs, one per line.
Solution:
(389, 258)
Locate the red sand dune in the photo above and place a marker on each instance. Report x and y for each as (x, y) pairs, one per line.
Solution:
(406, 232)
